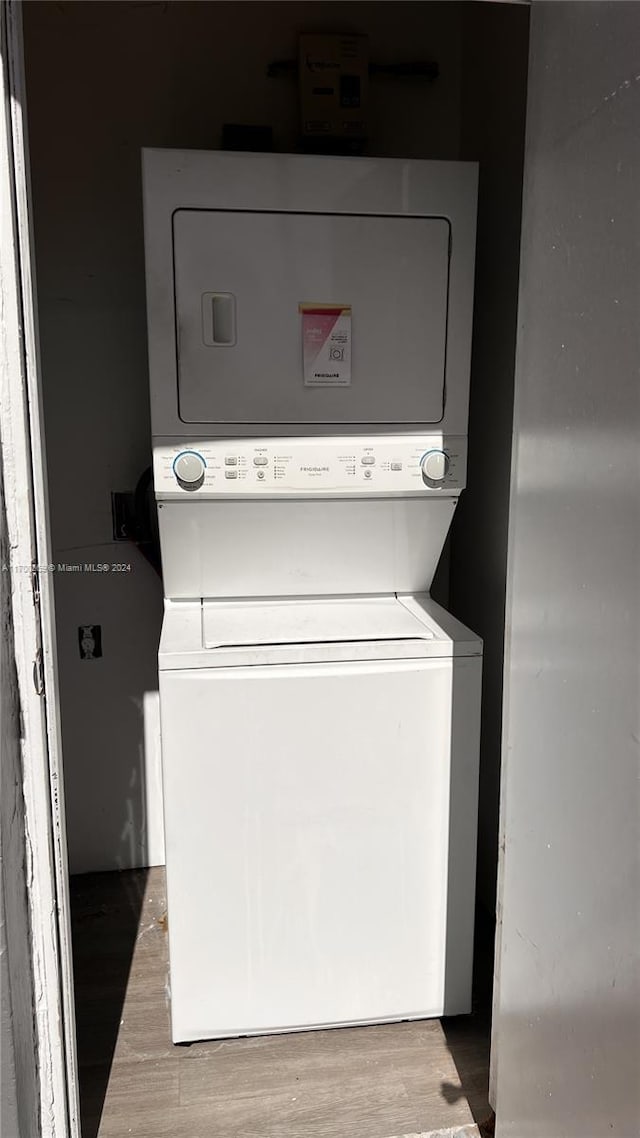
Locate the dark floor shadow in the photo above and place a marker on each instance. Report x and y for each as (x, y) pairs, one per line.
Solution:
(469, 1037)
(105, 915)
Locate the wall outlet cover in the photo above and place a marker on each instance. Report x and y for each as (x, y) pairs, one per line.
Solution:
(90, 641)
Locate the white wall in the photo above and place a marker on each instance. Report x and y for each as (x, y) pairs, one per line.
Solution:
(568, 1007)
(104, 80)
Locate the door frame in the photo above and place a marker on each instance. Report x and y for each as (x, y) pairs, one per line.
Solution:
(25, 483)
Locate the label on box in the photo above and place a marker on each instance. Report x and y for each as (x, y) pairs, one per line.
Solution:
(334, 79)
(326, 344)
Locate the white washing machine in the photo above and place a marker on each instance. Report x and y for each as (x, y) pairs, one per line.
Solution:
(309, 338)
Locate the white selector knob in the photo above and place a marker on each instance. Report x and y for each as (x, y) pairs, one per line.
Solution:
(189, 469)
(434, 466)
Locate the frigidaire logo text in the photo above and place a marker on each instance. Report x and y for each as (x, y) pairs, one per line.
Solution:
(314, 469)
(322, 64)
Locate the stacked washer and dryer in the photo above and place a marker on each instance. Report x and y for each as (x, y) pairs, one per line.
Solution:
(309, 345)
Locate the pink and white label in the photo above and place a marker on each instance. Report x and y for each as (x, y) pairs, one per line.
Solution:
(326, 344)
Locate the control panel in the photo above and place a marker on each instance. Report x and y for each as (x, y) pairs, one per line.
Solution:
(301, 467)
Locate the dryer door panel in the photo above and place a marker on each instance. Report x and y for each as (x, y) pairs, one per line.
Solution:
(240, 281)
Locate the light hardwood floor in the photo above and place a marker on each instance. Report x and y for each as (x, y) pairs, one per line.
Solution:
(372, 1082)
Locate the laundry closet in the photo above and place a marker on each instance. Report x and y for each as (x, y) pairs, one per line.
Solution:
(206, 99)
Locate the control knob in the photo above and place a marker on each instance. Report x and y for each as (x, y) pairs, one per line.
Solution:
(189, 468)
(434, 465)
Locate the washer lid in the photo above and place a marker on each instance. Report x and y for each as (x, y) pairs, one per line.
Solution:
(235, 634)
(229, 624)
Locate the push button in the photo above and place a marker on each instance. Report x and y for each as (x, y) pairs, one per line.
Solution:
(231, 473)
(396, 466)
(231, 461)
(368, 460)
(260, 460)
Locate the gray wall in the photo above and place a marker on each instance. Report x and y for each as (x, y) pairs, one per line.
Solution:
(19, 1116)
(103, 80)
(568, 1003)
(494, 94)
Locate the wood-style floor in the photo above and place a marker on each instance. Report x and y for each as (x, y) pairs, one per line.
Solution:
(371, 1082)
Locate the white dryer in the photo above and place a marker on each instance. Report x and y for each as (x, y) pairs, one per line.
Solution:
(319, 713)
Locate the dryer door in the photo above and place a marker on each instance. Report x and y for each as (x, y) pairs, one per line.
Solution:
(246, 350)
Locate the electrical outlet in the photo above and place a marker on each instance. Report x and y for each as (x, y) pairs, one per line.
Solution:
(90, 641)
(123, 516)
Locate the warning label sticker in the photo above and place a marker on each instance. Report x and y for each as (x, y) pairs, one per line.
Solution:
(326, 344)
